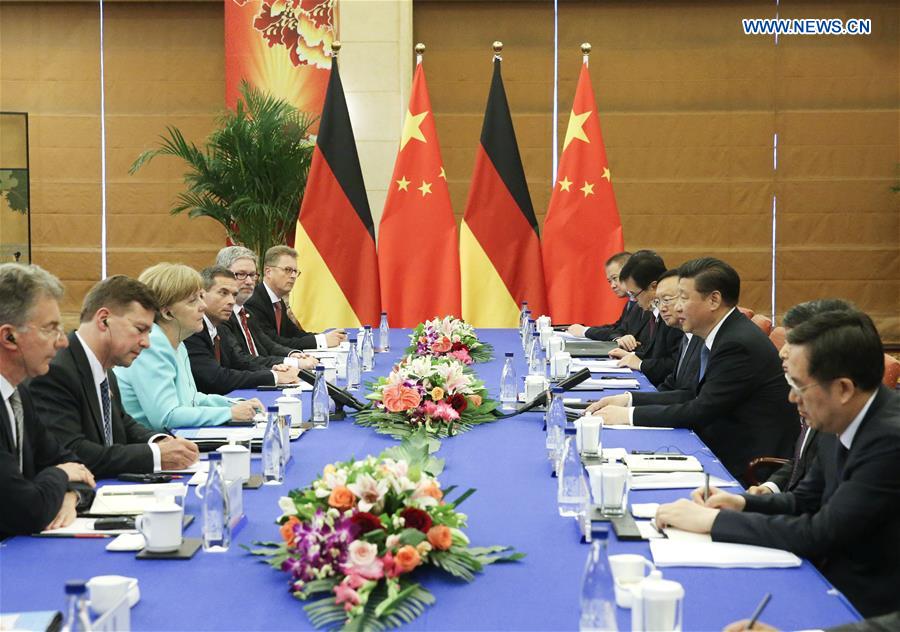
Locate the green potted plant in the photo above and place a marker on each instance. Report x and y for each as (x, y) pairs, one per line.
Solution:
(251, 174)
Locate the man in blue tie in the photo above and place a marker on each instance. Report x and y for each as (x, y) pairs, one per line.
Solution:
(79, 399)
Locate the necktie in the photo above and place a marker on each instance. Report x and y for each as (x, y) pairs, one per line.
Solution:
(652, 326)
(107, 412)
(798, 452)
(704, 358)
(277, 306)
(19, 421)
(250, 346)
(682, 349)
(217, 348)
(840, 460)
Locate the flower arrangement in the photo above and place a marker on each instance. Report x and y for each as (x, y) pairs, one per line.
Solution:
(355, 537)
(439, 394)
(451, 337)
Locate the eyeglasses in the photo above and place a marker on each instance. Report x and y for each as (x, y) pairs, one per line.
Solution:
(287, 270)
(667, 300)
(54, 331)
(634, 296)
(240, 276)
(799, 390)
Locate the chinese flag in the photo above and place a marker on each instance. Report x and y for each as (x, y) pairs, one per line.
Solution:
(500, 251)
(335, 237)
(418, 222)
(582, 229)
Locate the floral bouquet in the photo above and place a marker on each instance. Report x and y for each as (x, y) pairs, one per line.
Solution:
(354, 539)
(451, 337)
(437, 393)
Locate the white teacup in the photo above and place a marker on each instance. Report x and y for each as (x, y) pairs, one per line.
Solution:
(661, 606)
(106, 591)
(290, 405)
(235, 462)
(160, 524)
(627, 570)
(534, 386)
(545, 334)
(542, 322)
(587, 434)
(560, 364)
(609, 487)
(555, 344)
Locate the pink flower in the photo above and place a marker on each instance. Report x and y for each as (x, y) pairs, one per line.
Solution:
(390, 567)
(363, 560)
(429, 408)
(344, 594)
(446, 412)
(462, 355)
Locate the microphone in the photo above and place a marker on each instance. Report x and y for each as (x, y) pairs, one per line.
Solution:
(340, 396)
(541, 400)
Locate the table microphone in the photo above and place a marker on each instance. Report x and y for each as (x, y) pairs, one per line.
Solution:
(567, 384)
(339, 395)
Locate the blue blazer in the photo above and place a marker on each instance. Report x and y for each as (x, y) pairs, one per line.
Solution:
(158, 389)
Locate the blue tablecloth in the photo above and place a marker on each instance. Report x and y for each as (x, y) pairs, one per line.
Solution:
(515, 505)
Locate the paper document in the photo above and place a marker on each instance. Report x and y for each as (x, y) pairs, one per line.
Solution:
(600, 366)
(199, 466)
(130, 500)
(677, 480)
(84, 526)
(662, 463)
(644, 510)
(671, 552)
(598, 384)
(679, 535)
(647, 530)
(567, 336)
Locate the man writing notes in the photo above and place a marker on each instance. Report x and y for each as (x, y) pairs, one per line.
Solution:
(631, 321)
(845, 513)
(739, 407)
(272, 313)
(79, 397)
(41, 487)
(218, 363)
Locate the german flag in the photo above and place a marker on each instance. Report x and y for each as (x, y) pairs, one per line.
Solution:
(338, 284)
(500, 251)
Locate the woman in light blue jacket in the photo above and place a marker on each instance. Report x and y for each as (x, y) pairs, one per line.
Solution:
(158, 389)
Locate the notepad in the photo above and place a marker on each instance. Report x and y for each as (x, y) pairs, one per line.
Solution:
(600, 366)
(599, 384)
(662, 463)
(685, 552)
(644, 510)
(677, 480)
(83, 526)
(130, 500)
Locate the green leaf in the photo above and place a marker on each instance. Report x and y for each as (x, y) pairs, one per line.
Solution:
(463, 497)
(412, 537)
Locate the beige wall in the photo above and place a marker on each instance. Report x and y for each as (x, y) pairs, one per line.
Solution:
(688, 107)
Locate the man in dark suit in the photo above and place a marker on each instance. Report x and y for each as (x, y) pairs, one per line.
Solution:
(629, 320)
(252, 340)
(272, 313)
(739, 408)
(786, 478)
(41, 484)
(642, 276)
(79, 399)
(218, 364)
(845, 513)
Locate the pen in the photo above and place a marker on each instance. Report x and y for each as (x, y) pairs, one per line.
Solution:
(706, 488)
(148, 493)
(666, 458)
(762, 605)
(657, 529)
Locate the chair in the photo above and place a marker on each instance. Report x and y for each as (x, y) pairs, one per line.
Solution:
(778, 336)
(763, 323)
(891, 371)
(761, 468)
(746, 311)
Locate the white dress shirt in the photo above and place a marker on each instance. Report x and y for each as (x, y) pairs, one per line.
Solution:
(6, 391)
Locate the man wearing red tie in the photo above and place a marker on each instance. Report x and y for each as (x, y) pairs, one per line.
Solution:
(272, 314)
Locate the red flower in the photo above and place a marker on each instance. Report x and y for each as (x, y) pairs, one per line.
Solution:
(416, 519)
(365, 522)
(457, 346)
(459, 402)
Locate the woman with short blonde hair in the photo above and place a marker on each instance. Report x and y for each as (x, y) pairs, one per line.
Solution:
(158, 389)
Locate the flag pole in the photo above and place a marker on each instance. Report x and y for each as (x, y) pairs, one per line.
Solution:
(586, 51)
(498, 48)
(420, 51)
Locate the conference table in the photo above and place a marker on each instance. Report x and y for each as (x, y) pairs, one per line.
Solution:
(515, 504)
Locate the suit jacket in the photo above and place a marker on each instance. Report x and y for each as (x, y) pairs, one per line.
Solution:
(232, 373)
(740, 407)
(290, 335)
(602, 332)
(66, 400)
(658, 358)
(268, 351)
(782, 476)
(887, 623)
(683, 376)
(846, 520)
(30, 498)
(633, 320)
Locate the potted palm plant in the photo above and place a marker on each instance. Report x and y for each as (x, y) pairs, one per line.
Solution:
(251, 174)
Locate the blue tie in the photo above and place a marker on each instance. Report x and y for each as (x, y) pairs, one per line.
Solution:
(107, 412)
(704, 357)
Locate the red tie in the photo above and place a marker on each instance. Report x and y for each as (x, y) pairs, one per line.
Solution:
(277, 307)
(250, 346)
(652, 325)
(217, 348)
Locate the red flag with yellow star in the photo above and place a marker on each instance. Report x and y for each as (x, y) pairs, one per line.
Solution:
(418, 221)
(582, 229)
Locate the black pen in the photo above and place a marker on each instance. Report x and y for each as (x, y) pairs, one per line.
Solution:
(762, 606)
(706, 489)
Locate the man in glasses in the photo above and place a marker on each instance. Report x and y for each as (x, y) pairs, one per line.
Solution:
(845, 513)
(272, 312)
(41, 485)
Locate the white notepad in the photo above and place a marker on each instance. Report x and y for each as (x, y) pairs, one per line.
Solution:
(685, 552)
(662, 463)
(677, 480)
(130, 500)
(597, 384)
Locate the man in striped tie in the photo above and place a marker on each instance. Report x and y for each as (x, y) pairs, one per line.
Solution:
(79, 400)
